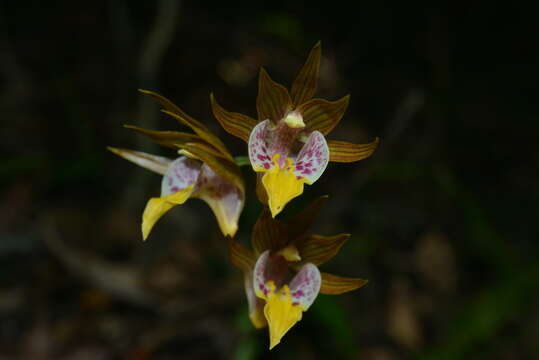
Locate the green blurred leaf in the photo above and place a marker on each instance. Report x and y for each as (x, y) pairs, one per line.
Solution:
(486, 314)
(335, 320)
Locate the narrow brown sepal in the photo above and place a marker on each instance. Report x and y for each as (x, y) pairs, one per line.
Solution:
(268, 233)
(336, 285)
(273, 100)
(260, 190)
(166, 138)
(323, 115)
(240, 256)
(202, 131)
(205, 147)
(199, 128)
(225, 168)
(319, 249)
(235, 124)
(304, 86)
(305, 219)
(343, 151)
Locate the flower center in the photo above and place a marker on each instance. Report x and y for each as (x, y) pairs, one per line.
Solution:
(294, 120)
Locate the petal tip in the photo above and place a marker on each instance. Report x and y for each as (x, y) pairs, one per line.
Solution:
(230, 230)
(146, 228)
(275, 209)
(273, 343)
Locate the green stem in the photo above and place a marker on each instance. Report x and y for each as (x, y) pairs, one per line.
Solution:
(242, 160)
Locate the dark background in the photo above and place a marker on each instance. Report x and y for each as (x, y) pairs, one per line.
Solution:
(442, 216)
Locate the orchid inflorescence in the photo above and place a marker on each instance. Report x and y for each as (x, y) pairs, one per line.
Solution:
(287, 148)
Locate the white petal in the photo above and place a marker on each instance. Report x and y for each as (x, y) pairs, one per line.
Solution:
(258, 150)
(180, 174)
(313, 157)
(305, 286)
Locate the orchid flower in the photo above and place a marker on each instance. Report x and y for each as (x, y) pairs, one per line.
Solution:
(287, 144)
(281, 273)
(206, 171)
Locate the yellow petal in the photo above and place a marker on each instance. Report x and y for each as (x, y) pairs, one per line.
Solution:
(257, 318)
(281, 314)
(281, 185)
(157, 207)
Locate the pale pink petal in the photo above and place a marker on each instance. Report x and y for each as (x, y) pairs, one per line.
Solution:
(259, 275)
(180, 174)
(259, 154)
(313, 158)
(305, 286)
(225, 199)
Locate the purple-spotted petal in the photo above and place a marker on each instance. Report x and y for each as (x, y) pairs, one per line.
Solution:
(270, 270)
(259, 154)
(180, 174)
(313, 157)
(259, 275)
(305, 286)
(244, 259)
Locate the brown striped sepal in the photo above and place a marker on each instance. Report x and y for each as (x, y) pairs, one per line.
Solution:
(166, 138)
(343, 151)
(199, 128)
(268, 233)
(235, 124)
(323, 115)
(319, 249)
(304, 86)
(273, 100)
(305, 219)
(260, 190)
(240, 256)
(224, 167)
(336, 285)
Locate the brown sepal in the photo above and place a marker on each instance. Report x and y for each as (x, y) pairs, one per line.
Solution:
(225, 168)
(166, 138)
(305, 219)
(304, 86)
(240, 256)
(273, 100)
(203, 132)
(199, 128)
(323, 115)
(268, 233)
(260, 190)
(319, 249)
(343, 151)
(235, 124)
(336, 285)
